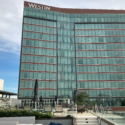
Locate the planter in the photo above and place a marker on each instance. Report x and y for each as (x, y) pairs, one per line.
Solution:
(9, 123)
(119, 109)
(47, 121)
(44, 121)
(17, 108)
(21, 120)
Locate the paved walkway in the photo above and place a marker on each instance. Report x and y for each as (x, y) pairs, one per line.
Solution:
(85, 114)
(71, 113)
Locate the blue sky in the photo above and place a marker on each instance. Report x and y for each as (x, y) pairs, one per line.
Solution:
(9, 70)
(11, 12)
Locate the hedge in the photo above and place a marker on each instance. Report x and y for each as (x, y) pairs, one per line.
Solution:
(19, 113)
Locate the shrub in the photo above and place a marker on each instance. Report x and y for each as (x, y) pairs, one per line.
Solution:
(81, 98)
(20, 113)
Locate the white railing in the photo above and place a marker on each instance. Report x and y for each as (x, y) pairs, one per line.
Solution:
(102, 109)
(75, 110)
(96, 109)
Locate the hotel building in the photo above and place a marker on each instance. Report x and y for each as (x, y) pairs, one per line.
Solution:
(72, 49)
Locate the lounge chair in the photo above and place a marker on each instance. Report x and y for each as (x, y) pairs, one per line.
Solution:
(2, 108)
(81, 108)
(26, 108)
(47, 108)
(71, 109)
(89, 107)
(58, 109)
(12, 108)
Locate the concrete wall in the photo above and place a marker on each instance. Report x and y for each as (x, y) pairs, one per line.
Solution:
(1, 85)
(48, 121)
(4, 101)
(28, 120)
(15, 102)
(9, 101)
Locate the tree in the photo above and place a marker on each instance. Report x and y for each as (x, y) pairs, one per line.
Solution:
(81, 98)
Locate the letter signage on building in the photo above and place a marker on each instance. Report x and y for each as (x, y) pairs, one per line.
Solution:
(32, 5)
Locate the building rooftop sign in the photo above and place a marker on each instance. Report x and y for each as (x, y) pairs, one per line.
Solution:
(72, 10)
(33, 5)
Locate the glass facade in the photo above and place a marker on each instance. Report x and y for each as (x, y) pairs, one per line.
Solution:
(38, 57)
(66, 52)
(100, 59)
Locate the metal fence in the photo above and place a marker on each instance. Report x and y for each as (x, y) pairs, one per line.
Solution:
(57, 108)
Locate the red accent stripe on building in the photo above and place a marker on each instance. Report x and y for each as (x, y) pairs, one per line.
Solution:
(40, 40)
(99, 29)
(39, 63)
(38, 47)
(103, 50)
(37, 55)
(100, 80)
(39, 25)
(38, 32)
(104, 43)
(37, 71)
(99, 36)
(37, 79)
(100, 72)
(103, 65)
(39, 89)
(98, 57)
(102, 89)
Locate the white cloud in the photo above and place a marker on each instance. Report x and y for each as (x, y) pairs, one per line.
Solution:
(9, 46)
(11, 14)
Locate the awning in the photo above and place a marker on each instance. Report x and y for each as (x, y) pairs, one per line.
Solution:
(7, 93)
